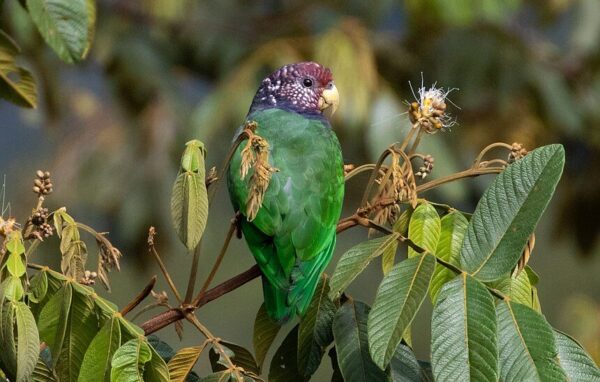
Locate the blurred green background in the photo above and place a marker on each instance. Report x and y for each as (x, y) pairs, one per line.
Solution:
(161, 72)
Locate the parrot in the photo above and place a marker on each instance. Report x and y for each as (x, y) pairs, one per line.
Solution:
(293, 235)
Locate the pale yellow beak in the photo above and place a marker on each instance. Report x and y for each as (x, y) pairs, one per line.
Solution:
(329, 100)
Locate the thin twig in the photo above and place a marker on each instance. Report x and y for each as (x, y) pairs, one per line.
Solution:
(163, 269)
(459, 175)
(140, 297)
(487, 149)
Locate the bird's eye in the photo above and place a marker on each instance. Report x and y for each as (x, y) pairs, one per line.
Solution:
(307, 82)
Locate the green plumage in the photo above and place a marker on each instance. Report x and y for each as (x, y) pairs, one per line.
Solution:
(293, 234)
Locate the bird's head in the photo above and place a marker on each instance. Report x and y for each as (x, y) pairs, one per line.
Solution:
(304, 87)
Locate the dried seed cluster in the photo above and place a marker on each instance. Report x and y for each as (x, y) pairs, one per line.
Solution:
(42, 185)
(426, 168)
(429, 111)
(39, 219)
(517, 152)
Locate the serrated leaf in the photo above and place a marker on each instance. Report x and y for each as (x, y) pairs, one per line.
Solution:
(16, 83)
(509, 211)
(453, 229)
(350, 334)
(314, 333)
(96, 361)
(284, 365)
(424, 228)
(574, 360)
(189, 208)
(463, 332)
(129, 360)
(156, 370)
(404, 366)
(398, 299)
(28, 341)
(526, 344)
(355, 260)
(64, 24)
(38, 287)
(517, 287)
(237, 354)
(183, 361)
(265, 331)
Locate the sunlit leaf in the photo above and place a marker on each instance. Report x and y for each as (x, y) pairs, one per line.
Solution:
(453, 228)
(509, 211)
(265, 331)
(16, 83)
(350, 333)
(424, 228)
(355, 260)
(129, 361)
(96, 361)
(526, 344)
(183, 361)
(64, 24)
(574, 360)
(517, 287)
(463, 332)
(398, 299)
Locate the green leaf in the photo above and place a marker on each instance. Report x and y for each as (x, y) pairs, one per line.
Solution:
(42, 372)
(388, 258)
(96, 361)
(353, 262)
(163, 349)
(314, 334)
(574, 360)
(183, 361)
(8, 355)
(350, 333)
(527, 346)
(508, 212)
(15, 265)
(28, 341)
(38, 287)
(129, 361)
(453, 228)
(517, 287)
(11, 290)
(221, 376)
(284, 365)
(16, 83)
(398, 299)
(424, 228)
(189, 208)
(156, 369)
(53, 320)
(404, 366)
(463, 332)
(239, 356)
(14, 243)
(55, 283)
(337, 373)
(265, 331)
(64, 24)
(533, 277)
(193, 156)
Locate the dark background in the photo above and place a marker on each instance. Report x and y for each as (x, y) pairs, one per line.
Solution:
(111, 129)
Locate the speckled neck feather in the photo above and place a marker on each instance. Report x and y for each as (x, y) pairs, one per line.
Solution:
(284, 89)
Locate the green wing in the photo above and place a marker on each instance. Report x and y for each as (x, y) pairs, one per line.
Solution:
(293, 234)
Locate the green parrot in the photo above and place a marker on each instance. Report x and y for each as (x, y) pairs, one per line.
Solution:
(293, 234)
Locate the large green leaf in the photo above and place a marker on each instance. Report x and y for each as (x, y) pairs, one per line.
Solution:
(189, 198)
(350, 334)
(353, 262)
(463, 332)
(404, 366)
(265, 331)
(65, 25)
(38, 287)
(526, 344)
(183, 361)
(239, 355)
(284, 365)
(16, 83)
(7, 335)
(508, 212)
(54, 318)
(577, 364)
(156, 370)
(453, 228)
(28, 341)
(314, 334)
(96, 361)
(424, 228)
(129, 361)
(398, 299)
